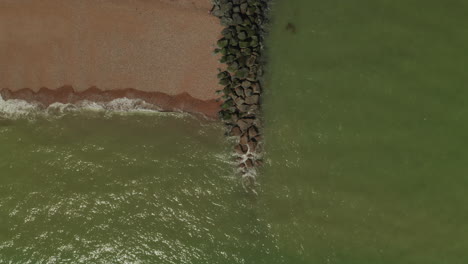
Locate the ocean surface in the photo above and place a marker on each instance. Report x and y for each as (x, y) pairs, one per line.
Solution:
(365, 156)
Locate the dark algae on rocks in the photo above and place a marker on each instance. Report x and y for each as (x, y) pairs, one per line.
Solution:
(241, 49)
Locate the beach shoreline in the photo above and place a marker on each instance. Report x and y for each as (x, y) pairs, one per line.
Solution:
(64, 50)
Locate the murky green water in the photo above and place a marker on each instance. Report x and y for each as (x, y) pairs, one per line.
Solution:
(366, 127)
(134, 188)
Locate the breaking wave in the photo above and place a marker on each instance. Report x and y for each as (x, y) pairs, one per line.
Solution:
(19, 109)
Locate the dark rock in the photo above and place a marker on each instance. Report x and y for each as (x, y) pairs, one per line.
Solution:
(252, 146)
(226, 7)
(244, 139)
(240, 149)
(249, 120)
(248, 92)
(230, 58)
(223, 51)
(252, 99)
(253, 132)
(217, 12)
(246, 84)
(226, 21)
(239, 91)
(243, 124)
(243, 108)
(242, 166)
(250, 11)
(254, 43)
(233, 67)
(256, 88)
(223, 75)
(242, 35)
(251, 61)
(260, 71)
(244, 44)
(243, 8)
(242, 73)
(239, 101)
(227, 104)
(253, 108)
(223, 43)
(235, 132)
(249, 163)
(258, 163)
(247, 52)
(237, 19)
(234, 42)
(225, 81)
(251, 77)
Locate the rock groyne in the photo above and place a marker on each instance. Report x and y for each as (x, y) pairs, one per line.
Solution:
(241, 48)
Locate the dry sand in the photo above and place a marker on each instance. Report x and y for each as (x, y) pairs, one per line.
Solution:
(160, 47)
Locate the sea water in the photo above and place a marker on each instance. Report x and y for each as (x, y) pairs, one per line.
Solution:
(109, 183)
(366, 131)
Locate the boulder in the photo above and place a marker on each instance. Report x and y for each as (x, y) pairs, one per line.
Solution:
(249, 119)
(239, 101)
(252, 146)
(243, 124)
(242, 73)
(243, 44)
(233, 67)
(251, 61)
(246, 84)
(256, 88)
(249, 92)
(243, 8)
(253, 132)
(239, 91)
(244, 139)
(252, 99)
(243, 108)
(258, 138)
(237, 19)
(240, 149)
(223, 43)
(253, 108)
(249, 163)
(258, 163)
(235, 131)
(242, 35)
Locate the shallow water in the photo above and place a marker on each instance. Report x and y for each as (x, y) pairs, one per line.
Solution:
(366, 132)
(123, 187)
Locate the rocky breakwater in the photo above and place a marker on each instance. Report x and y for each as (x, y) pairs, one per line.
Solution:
(241, 50)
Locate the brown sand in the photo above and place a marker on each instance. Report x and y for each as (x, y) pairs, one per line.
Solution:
(161, 47)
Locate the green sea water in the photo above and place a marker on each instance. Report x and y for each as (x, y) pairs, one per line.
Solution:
(365, 161)
(366, 131)
(96, 187)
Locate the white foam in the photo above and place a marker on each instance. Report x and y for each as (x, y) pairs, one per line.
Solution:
(16, 109)
(13, 109)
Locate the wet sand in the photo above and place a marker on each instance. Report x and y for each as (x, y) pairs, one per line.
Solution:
(156, 48)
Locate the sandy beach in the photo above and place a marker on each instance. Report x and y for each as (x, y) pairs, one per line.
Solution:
(160, 49)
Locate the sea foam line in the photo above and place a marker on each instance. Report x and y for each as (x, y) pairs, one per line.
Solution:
(19, 109)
